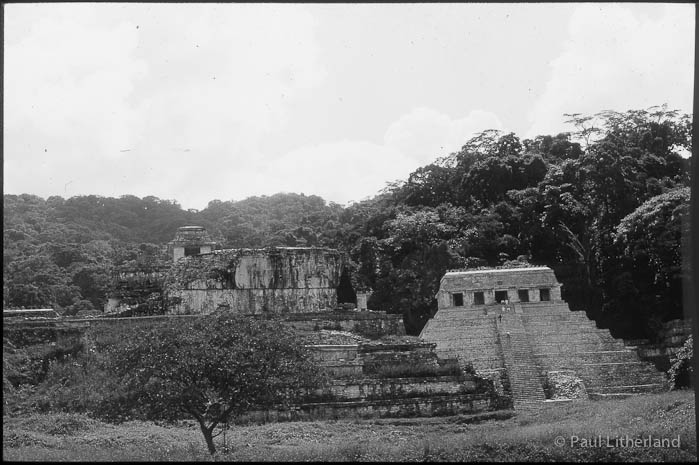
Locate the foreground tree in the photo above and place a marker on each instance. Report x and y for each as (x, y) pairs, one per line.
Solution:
(211, 368)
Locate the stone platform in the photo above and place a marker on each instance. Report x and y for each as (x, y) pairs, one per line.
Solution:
(377, 379)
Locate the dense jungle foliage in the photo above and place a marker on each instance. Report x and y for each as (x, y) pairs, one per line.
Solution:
(606, 206)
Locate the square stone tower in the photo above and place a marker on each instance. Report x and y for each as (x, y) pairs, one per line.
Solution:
(190, 240)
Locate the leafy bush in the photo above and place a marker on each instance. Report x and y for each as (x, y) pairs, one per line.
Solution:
(682, 365)
(29, 365)
(564, 384)
(75, 384)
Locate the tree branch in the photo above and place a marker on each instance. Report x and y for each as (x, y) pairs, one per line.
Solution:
(223, 416)
(575, 243)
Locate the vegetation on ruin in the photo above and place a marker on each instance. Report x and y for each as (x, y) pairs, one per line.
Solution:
(604, 205)
(493, 436)
(682, 368)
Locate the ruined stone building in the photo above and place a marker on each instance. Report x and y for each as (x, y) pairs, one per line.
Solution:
(253, 281)
(190, 240)
(512, 326)
(199, 279)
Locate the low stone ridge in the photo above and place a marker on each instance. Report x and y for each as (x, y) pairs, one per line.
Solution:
(368, 323)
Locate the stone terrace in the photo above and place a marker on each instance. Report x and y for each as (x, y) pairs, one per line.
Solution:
(372, 379)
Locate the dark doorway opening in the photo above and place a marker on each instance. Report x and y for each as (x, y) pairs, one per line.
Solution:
(458, 299)
(500, 296)
(345, 292)
(544, 295)
(478, 298)
(189, 251)
(523, 295)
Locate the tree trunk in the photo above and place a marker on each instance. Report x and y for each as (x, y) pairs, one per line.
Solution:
(208, 437)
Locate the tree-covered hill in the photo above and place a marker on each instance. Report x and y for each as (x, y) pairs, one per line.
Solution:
(605, 206)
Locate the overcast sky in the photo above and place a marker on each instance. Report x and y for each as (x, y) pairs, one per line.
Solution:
(224, 101)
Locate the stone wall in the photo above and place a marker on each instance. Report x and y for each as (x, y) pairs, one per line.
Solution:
(384, 360)
(254, 281)
(135, 286)
(368, 323)
(27, 333)
(394, 388)
(250, 301)
(670, 339)
(392, 408)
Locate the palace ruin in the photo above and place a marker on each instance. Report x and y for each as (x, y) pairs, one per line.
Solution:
(200, 280)
(252, 281)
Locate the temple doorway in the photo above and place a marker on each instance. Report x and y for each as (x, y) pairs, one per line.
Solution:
(345, 292)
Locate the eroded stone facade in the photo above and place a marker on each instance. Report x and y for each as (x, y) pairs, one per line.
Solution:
(274, 280)
(200, 280)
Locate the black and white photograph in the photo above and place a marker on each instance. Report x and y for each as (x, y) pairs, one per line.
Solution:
(364, 232)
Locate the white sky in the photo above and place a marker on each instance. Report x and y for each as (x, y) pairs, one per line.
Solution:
(196, 102)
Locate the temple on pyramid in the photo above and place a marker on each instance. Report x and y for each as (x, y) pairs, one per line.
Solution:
(512, 326)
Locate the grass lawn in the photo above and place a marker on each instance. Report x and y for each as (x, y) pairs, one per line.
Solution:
(498, 436)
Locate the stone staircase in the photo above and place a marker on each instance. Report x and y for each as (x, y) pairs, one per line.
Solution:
(567, 340)
(522, 370)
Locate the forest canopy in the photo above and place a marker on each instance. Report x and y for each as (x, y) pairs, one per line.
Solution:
(605, 205)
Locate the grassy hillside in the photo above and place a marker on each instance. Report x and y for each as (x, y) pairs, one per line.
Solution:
(493, 437)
